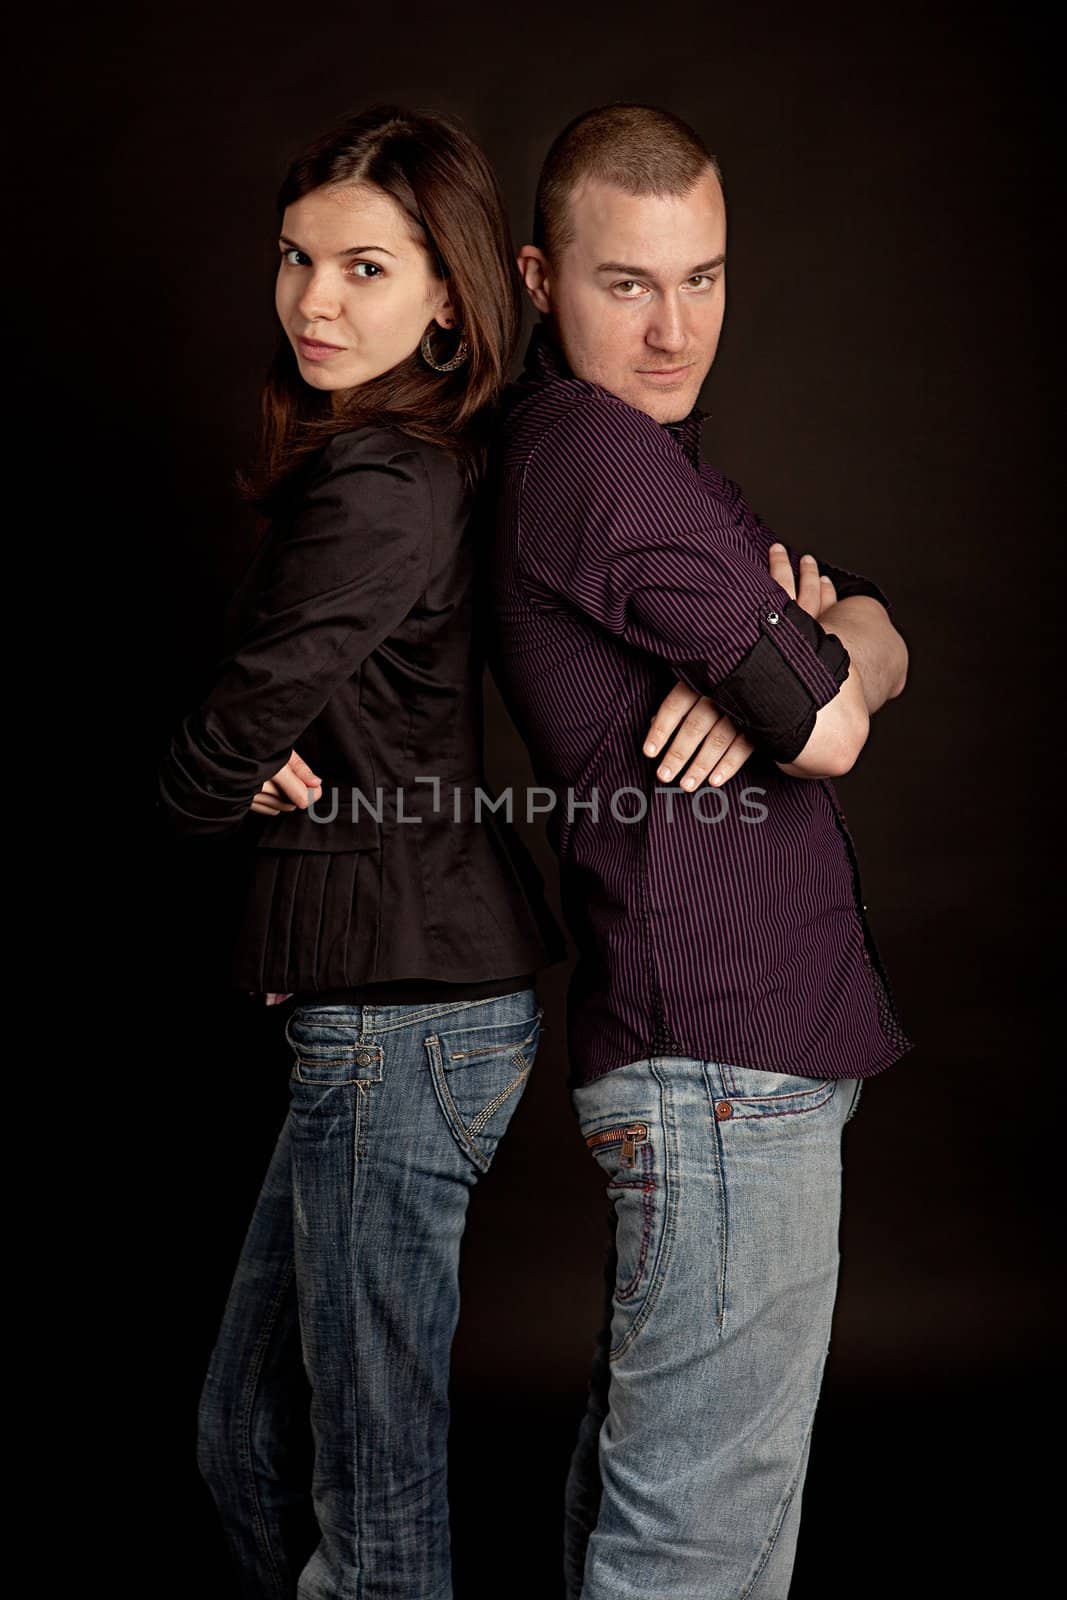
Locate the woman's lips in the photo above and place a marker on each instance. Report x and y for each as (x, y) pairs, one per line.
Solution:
(311, 350)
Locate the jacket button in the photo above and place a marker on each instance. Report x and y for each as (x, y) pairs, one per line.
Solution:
(723, 1109)
(364, 1058)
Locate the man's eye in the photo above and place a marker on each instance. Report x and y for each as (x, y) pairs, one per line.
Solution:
(630, 283)
(705, 279)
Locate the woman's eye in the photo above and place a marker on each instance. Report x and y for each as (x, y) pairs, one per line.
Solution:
(293, 252)
(375, 269)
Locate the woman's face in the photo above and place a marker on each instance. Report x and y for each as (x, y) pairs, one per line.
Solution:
(355, 290)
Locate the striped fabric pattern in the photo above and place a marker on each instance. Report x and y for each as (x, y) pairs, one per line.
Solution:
(725, 925)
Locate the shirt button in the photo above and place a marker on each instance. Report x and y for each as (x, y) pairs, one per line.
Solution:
(723, 1109)
(772, 616)
(364, 1058)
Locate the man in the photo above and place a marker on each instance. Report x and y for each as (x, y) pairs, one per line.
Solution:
(728, 997)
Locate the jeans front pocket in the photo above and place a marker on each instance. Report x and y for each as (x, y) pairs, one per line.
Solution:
(626, 1153)
(629, 1152)
(753, 1092)
(479, 1072)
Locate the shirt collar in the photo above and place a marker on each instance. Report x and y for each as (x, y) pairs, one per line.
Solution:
(545, 363)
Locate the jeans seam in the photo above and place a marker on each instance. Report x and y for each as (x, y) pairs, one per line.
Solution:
(724, 1204)
(787, 1502)
(247, 1405)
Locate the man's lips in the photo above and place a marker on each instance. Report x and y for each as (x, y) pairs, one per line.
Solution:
(664, 375)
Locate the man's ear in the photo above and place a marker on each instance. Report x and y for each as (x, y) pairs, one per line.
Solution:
(534, 271)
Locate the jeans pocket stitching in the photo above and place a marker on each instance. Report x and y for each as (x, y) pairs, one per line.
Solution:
(464, 1134)
(494, 1105)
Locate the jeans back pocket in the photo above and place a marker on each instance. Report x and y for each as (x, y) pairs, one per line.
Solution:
(479, 1071)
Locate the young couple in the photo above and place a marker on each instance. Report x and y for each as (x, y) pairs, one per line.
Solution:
(659, 651)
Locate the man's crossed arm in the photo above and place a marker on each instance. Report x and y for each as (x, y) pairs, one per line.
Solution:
(878, 672)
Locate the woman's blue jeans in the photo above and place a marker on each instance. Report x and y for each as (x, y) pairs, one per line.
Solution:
(350, 1272)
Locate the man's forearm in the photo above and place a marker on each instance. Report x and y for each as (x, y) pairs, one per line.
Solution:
(876, 649)
(878, 667)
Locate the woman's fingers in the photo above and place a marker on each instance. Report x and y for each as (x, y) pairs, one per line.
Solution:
(290, 786)
(300, 768)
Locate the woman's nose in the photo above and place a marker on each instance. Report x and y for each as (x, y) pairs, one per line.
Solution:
(318, 299)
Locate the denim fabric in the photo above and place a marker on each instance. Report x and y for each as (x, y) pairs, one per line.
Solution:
(346, 1295)
(724, 1185)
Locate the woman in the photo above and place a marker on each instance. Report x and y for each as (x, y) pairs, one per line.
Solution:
(401, 926)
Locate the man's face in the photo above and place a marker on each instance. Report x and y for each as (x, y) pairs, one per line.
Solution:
(638, 296)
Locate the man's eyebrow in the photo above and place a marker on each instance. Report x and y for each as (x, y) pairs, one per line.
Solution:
(643, 272)
(354, 250)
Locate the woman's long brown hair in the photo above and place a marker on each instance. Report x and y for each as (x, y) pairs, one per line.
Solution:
(445, 185)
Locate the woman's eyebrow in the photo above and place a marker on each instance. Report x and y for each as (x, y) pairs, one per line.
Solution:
(353, 250)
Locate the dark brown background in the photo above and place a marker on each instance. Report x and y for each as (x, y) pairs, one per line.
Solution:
(882, 392)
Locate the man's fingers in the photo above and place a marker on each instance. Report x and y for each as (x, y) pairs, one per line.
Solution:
(716, 763)
(701, 724)
(781, 571)
(733, 760)
(808, 595)
(680, 700)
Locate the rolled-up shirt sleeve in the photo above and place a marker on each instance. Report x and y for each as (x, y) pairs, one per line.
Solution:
(338, 578)
(617, 523)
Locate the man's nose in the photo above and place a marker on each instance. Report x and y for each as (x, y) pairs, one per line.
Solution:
(666, 328)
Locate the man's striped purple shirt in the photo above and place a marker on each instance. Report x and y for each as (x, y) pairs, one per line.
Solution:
(727, 924)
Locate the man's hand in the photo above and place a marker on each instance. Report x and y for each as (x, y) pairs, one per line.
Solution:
(702, 728)
(720, 750)
(815, 594)
(841, 727)
(295, 781)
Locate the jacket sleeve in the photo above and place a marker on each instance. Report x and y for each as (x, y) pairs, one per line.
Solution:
(344, 573)
(616, 523)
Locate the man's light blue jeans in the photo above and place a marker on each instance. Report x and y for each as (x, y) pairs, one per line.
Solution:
(725, 1196)
(350, 1274)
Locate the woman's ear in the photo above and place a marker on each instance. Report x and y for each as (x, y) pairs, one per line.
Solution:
(445, 316)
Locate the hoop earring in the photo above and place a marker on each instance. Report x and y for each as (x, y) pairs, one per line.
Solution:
(443, 366)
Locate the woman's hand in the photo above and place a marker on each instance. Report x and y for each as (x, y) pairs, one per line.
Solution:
(291, 789)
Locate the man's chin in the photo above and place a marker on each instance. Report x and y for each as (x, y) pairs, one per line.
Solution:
(669, 405)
